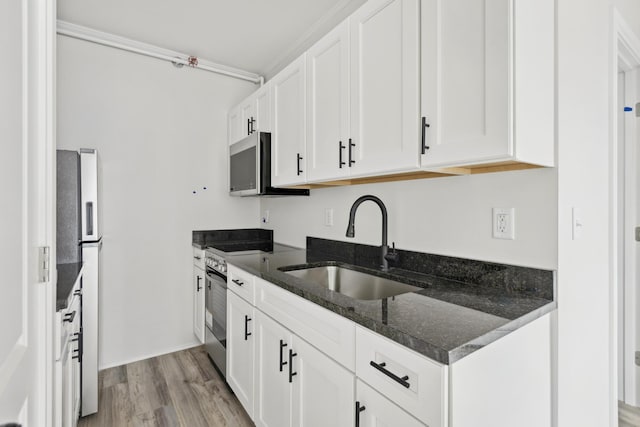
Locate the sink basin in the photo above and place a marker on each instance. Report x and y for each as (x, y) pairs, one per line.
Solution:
(353, 283)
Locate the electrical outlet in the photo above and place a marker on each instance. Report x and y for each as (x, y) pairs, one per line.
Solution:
(328, 217)
(265, 217)
(504, 223)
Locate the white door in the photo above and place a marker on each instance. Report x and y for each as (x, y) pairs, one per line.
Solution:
(27, 30)
(465, 81)
(240, 349)
(385, 115)
(328, 106)
(288, 146)
(273, 392)
(323, 391)
(198, 303)
(375, 410)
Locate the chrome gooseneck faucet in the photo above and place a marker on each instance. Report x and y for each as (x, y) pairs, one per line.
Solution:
(385, 256)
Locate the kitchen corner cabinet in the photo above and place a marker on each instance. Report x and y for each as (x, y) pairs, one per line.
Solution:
(251, 115)
(198, 294)
(487, 82)
(240, 345)
(288, 141)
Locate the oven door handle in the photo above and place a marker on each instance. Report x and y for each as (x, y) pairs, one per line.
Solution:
(216, 275)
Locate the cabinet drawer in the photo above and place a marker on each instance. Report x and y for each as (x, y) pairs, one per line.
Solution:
(419, 386)
(241, 282)
(332, 334)
(198, 257)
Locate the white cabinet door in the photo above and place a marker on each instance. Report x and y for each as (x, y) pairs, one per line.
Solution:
(323, 391)
(288, 147)
(263, 109)
(235, 132)
(465, 80)
(240, 349)
(484, 104)
(248, 114)
(328, 106)
(198, 303)
(385, 86)
(273, 392)
(374, 410)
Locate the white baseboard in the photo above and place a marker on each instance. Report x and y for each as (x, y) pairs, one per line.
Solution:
(149, 356)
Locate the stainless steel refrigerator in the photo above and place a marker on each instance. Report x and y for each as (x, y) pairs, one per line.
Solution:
(79, 239)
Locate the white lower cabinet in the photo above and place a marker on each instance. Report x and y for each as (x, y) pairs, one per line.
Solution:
(286, 372)
(240, 349)
(323, 391)
(198, 294)
(273, 391)
(374, 410)
(67, 350)
(198, 303)
(298, 385)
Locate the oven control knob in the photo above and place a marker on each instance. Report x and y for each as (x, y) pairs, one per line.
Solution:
(224, 268)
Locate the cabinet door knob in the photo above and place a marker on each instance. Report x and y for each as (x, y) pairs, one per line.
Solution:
(198, 278)
(340, 148)
(69, 317)
(351, 145)
(237, 282)
(404, 380)
(359, 408)
(247, 319)
(299, 158)
(291, 373)
(425, 125)
(282, 361)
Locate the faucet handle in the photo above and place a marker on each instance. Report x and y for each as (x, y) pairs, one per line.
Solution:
(392, 256)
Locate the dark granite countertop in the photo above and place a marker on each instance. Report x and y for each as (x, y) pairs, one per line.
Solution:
(67, 277)
(445, 321)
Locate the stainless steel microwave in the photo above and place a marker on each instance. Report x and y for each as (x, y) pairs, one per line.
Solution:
(250, 168)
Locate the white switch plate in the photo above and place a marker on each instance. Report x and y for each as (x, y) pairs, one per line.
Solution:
(504, 223)
(265, 216)
(576, 223)
(328, 217)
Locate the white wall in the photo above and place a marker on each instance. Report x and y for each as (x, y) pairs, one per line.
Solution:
(585, 393)
(447, 216)
(161, 133)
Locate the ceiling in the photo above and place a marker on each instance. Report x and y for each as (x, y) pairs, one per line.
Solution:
(260, 36)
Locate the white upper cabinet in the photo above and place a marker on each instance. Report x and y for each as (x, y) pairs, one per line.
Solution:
(487, 82)
(288, 141)
(235, 131)
(328, 106)
(385, 87)
(252, 115)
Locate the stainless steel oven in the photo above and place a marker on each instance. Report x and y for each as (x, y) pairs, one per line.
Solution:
(216, 310)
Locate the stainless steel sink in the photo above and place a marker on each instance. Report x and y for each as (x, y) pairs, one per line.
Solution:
(353, 283)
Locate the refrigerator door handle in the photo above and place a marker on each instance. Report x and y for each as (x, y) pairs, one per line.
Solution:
(89, 216)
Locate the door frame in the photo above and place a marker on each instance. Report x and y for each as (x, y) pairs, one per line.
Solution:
(625, 57)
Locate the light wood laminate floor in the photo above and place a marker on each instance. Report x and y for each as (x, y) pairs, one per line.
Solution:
(183, 389)
(628, 416)
(177, 389)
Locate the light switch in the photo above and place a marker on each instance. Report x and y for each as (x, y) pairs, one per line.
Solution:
(577, 223)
